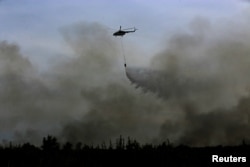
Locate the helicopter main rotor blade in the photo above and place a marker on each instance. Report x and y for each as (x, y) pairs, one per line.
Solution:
(129, 28)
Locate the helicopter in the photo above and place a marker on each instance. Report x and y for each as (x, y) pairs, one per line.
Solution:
(121, 32)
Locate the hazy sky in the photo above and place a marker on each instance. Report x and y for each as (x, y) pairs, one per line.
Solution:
(35, 25)
(61, 71)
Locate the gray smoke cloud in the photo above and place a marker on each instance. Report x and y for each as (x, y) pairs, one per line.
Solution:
(21, 91)
(85, 97)
(194, 92)
(113, 107)
(204, 72)
(219, 126)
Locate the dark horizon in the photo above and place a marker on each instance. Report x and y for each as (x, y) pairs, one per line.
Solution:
(124, 152)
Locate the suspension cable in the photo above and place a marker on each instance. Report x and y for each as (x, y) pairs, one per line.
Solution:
(123, 53)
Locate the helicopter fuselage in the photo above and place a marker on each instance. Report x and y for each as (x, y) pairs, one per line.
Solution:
(121, 32)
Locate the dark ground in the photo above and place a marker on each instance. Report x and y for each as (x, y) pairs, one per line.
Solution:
(120, 153)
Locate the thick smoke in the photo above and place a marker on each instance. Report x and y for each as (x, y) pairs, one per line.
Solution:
(113, 107)
(197, 89)
(205, 73)
(85, 97)
(219, 126)
(20, 91)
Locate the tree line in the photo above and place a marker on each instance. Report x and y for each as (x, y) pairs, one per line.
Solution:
(123, 152)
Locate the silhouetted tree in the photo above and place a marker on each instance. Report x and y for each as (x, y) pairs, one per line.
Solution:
(78, 146)
(110, 145)
(50, 144)
(67, 147)
(120, 144)
(103, 146)
(132, 144)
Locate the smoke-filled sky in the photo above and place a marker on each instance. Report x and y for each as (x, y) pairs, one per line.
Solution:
(187, 75)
